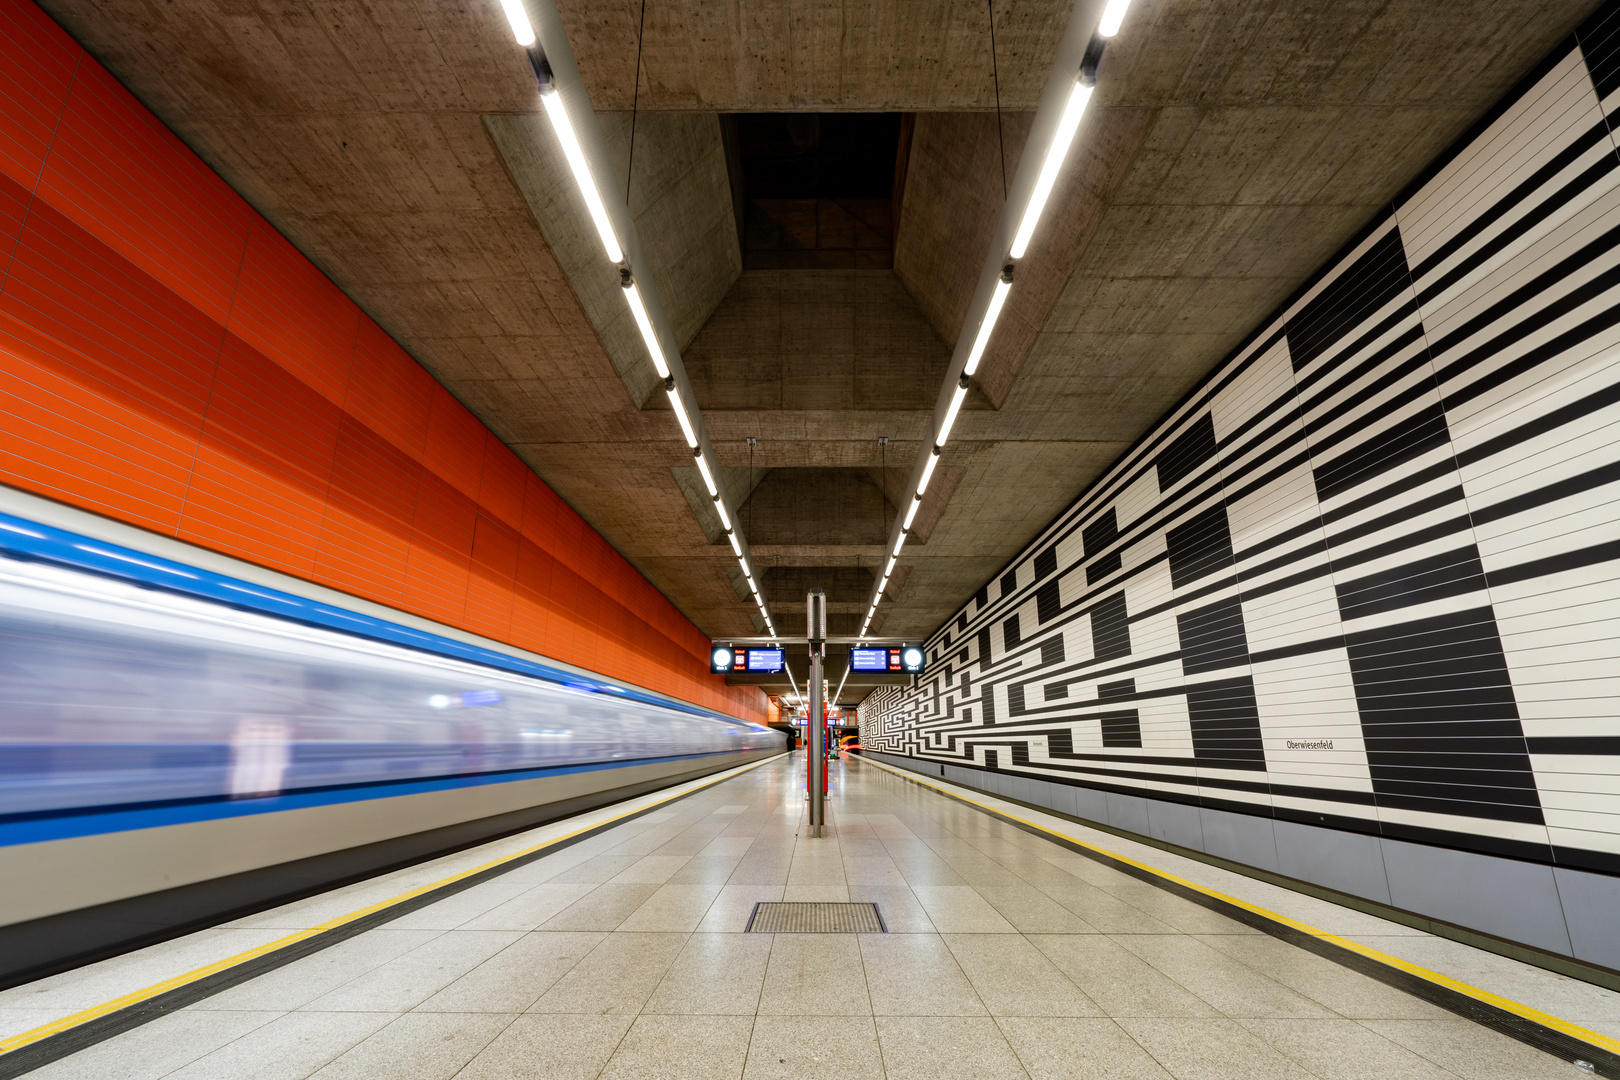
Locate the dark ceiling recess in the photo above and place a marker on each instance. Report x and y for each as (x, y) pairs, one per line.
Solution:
(817, 191)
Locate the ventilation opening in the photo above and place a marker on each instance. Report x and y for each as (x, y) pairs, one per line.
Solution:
(808, 918)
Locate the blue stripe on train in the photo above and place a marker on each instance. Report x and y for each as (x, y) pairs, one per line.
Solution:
(19, 536)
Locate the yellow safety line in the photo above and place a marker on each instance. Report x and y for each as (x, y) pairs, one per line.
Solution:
(56, 1027)
(1505, 1004)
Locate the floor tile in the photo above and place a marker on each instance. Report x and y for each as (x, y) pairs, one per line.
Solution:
(603, 908)
(514, 978)
(796, 1047)
(815, 975)
(1078, 1048)
(530, 908)
(1200, 1049)
(157, 1049)
(288, 1048)
(618, 976)
(916, 975)
(682, 1048)
(714, 974)
(1013, 978)
(959, 909)
(945, 1048)
(418, 1046)
(1121, 983)
(549, 1048)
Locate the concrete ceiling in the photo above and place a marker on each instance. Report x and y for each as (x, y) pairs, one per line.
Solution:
(1231, 148)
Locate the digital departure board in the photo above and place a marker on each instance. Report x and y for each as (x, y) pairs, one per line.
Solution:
(907, 660)
(765, 660)
(725, 660)
(871, 660)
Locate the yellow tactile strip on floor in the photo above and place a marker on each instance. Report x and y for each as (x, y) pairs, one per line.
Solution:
(30, 1049)
(1546, 1032)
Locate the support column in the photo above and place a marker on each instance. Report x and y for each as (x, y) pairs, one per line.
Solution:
(816, 723)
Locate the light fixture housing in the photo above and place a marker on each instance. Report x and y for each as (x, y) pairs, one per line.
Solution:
(518, 17)
(703, 467)
(959, 396)
(680, 411)
(557, 111)
(1062, 138)
(649, 336)
(928, 470)
(998, 297)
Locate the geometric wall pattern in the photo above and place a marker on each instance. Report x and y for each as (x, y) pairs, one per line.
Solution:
(1367, 575)
(168, 359)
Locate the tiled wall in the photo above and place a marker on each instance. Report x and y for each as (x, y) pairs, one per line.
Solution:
(1367, 576)
(167, 358)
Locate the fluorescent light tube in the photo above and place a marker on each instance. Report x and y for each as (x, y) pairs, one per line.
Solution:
(582, 172)
(911, 512)
(519, 19)
(1113, 15)
(686, 423)
(744, 564)
(632, 295)
(950, 413)
(1055, 154)
(725, 518)
(887, 570)
(735, 546)
(928, 471)
(708, 477)
(883, 585)
(900, 542)
(997, 297)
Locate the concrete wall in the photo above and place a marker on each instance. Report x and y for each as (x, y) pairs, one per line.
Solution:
(170, 360)
(1351, 611)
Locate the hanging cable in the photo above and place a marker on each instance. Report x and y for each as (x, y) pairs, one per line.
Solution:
(635, 102)
(995, 79)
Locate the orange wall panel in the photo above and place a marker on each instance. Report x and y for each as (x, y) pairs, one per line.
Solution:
(168, 359)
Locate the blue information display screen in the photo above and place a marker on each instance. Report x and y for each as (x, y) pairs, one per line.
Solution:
(765, 659)
(869, 660)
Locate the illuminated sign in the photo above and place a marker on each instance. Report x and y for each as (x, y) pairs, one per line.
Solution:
(907, 660)
(765, 660)
(724, 660)
(870, 660)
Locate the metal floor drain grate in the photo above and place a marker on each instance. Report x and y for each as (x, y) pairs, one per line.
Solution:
(801, 918)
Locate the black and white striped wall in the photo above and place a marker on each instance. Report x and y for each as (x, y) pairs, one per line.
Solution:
(1351, 612)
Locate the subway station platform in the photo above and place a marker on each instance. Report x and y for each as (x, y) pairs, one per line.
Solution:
(616, 944)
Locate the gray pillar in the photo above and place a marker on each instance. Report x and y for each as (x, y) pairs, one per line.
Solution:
(816, 722)
(817, 745)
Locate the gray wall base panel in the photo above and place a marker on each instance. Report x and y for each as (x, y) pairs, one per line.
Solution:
(1175, 823)
(1504, 897)
(1240, 837)
(1591, 905)
(1348, 862)
(1551, 909)
(1130, 813)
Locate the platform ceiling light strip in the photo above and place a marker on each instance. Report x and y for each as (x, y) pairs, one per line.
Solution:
(1057, 121)
(559, 82)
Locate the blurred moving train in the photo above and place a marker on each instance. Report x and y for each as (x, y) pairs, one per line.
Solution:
(169, 760)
